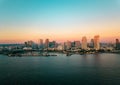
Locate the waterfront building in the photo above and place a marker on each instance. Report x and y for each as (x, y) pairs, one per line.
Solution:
(60, 47)
(29, 43)
(53, 44)
(73, 44)
(96, 42)
(47, 43)
(40, 43)
(27, 48)
(91, 44)
(84, 43)
(64, 45)
(77, 44)
(117, 44)
(68, 45)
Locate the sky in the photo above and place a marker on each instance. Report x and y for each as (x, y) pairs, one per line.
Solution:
(59, 20)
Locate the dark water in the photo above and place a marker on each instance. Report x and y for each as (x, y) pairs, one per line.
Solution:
(92, 69)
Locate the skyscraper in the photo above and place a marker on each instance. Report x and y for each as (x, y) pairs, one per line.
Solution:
(84, 43)
(40, 43)
(77, 44)
(96, 42)
(47, 43)
(91, 45)
(52, 44)
(68, 45)
(117, 44)
(29, 43)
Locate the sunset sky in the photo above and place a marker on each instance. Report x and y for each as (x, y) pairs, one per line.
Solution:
(59, 20)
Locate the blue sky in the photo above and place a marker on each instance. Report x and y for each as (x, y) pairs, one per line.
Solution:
(58, 17)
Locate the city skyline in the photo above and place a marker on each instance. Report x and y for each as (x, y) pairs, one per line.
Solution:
(59, 20)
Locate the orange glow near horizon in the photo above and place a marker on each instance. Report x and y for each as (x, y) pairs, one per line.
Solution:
(58, 38)
(108, 33)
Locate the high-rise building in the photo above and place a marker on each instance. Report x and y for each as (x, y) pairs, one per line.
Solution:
(117, 44)
(96, 42)
(91, 44)
(64, 46)
(77, 44)
(29, 43)
(40, 43)
(52, 44)
(84, 43)
(68, 45)
(47, 43)
(60, 47)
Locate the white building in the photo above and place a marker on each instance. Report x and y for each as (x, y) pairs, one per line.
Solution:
(96, 42)
(60, 47)
(68, 45)
(84, 43)
(27, 48)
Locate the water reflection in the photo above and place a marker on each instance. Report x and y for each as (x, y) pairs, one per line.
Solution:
(89, 69)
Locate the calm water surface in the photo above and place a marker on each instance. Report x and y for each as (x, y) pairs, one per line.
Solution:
(92, 69)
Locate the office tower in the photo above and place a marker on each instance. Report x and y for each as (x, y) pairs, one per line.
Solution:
(91, 45)
(96, 42)
(29, 43)
(40, 43)
(64, 46)
(68, 45)
(117, 44)
(47, 43)
(73, 44)
(77, 44)
(52, 44)
(26, 44)
(84, 43)
(60, 47)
